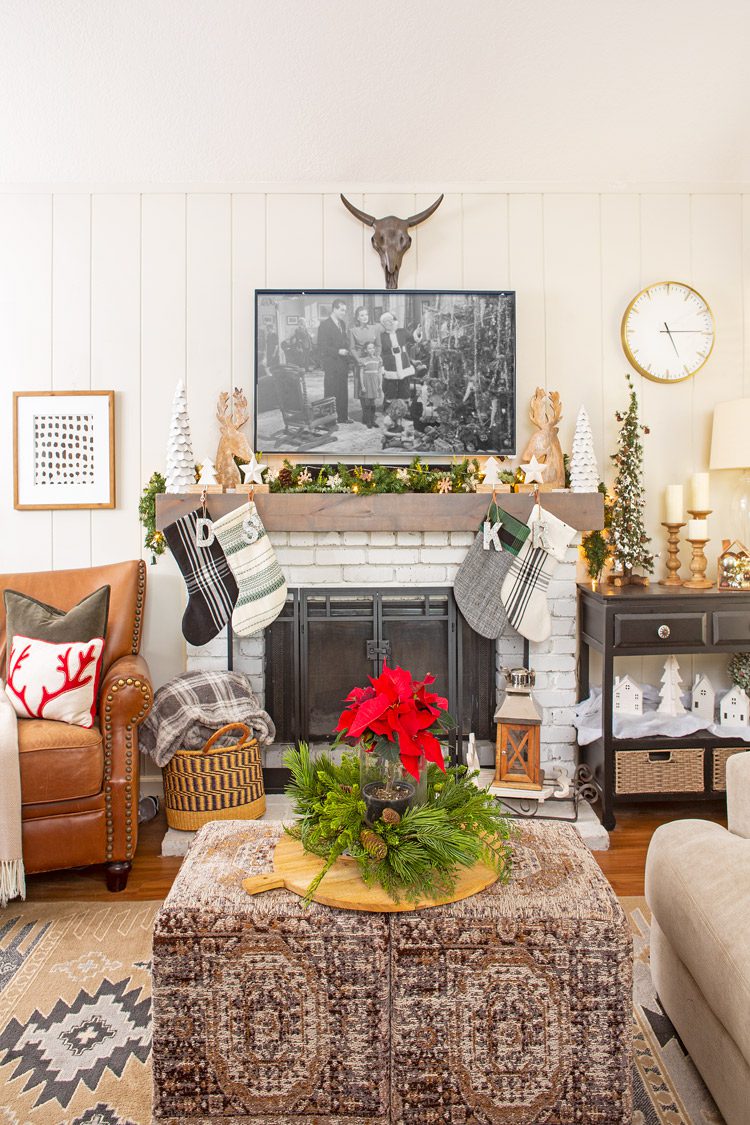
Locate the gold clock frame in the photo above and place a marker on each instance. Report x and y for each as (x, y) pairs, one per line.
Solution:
(626, 348)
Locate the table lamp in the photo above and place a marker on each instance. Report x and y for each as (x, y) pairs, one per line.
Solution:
(730, 449)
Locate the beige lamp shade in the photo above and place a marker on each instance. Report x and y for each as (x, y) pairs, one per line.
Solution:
(730, 439)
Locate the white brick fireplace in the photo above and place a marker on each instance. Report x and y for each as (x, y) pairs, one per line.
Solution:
(423, 558)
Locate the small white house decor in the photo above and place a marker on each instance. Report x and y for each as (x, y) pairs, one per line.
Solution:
(627, 697)
(669, 693)
(703, 698)
(735, 708)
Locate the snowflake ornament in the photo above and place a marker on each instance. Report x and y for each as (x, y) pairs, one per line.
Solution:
(334, 481)
(444, 485)
(305, 477)
(403, 475)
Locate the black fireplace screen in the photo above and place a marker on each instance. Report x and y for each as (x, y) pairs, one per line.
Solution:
(327, 641)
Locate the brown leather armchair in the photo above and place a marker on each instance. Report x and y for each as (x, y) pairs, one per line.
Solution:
(79, 788)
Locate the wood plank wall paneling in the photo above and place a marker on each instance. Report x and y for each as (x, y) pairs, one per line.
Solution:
(116, 362)
(134, 292)
(71, 348)
(25, 359)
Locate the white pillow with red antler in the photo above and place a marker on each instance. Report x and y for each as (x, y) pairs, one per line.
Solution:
(48, 681)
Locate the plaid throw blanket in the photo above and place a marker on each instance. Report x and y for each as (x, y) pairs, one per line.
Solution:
(188, 709)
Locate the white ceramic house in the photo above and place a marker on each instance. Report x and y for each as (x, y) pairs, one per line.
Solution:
(735, 708)
(627, 697)
(703, 698)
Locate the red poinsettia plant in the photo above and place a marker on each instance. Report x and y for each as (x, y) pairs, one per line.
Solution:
(397, 717)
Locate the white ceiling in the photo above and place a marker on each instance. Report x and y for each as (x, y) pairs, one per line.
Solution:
(569, 92)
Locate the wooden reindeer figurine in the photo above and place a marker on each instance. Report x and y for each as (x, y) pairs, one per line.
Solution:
(545, 412)
(232, 443)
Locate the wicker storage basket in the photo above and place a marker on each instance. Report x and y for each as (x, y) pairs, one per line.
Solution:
(719, 763)
(215, 783)
(649, 771)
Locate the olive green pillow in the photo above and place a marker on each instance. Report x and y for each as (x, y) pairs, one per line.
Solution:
(26, 617)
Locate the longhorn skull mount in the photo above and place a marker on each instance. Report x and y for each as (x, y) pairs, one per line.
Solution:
(391, 236)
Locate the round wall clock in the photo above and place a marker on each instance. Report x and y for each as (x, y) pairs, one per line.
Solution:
(668, 331)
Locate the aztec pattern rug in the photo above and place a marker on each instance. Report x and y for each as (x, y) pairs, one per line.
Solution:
(75, 1021)
(75, 1013)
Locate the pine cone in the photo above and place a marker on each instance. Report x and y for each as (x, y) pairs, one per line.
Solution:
(285, 478)
(390, 816)
(373, 844)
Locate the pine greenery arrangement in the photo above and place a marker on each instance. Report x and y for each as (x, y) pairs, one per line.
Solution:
(154, 540)
(413, 856)
(627, 531)
(595, 544)
(460, 476)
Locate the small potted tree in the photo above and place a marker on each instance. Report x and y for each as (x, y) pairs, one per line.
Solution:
(398, 725)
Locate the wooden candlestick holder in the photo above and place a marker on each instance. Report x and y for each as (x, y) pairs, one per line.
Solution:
(673, 557)
(698, 564)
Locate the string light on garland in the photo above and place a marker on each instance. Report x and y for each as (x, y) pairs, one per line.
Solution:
(461, 476)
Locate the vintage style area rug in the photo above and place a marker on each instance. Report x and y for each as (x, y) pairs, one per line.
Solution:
(75, 1021)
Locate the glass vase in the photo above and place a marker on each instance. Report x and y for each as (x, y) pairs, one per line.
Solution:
(385, 784)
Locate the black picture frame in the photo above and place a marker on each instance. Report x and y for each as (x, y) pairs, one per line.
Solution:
(450, 363)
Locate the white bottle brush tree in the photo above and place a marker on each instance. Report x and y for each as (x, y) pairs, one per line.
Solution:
(627, 532)
(584, 474)
(180, 474)
(670, 691)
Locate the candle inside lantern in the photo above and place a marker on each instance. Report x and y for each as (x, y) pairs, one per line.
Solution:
(700, 486)
(674, 503)
(697, 529)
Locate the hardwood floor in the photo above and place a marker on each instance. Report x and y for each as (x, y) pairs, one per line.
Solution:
(152, 874)
(625, 862)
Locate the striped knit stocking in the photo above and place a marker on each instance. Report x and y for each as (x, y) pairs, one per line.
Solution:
(212, 590)
(253, 563)
(524, 591)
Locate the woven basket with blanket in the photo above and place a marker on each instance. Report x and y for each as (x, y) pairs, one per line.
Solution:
(215, 783)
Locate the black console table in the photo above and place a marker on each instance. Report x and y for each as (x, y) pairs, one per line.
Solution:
(656, 621)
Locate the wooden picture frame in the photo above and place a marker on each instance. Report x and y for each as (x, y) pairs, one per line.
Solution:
(63, 450)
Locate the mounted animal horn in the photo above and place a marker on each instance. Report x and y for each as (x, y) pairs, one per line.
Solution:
(391, 236)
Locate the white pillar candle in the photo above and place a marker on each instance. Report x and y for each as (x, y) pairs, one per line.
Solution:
(674, 503)
(697, 529)
(700, 484)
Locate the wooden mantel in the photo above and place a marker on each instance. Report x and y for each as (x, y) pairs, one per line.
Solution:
(408, 511)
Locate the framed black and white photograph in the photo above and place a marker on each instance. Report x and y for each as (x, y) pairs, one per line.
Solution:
(358, 373)
(64, 449)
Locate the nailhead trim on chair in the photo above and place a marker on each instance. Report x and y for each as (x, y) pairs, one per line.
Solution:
(145, 691)
(139, 603)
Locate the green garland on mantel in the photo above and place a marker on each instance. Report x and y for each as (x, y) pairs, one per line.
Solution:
(422, 853)
(461, 476)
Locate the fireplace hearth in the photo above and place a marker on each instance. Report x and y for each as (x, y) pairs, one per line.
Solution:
(327, 641)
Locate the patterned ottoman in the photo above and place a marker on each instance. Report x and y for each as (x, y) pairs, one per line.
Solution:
(510, 1008)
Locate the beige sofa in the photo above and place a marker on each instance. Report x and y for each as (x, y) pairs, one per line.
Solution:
(698, 889)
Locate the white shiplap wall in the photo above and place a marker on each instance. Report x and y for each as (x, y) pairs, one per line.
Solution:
(133, 290)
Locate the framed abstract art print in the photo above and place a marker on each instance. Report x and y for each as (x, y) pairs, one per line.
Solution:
(63, 449)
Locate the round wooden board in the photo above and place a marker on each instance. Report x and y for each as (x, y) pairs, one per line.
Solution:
(295, 869)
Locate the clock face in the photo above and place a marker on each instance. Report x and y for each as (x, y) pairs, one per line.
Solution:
(668, 332)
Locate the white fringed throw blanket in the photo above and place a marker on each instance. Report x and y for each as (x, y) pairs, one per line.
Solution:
(12, 878)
